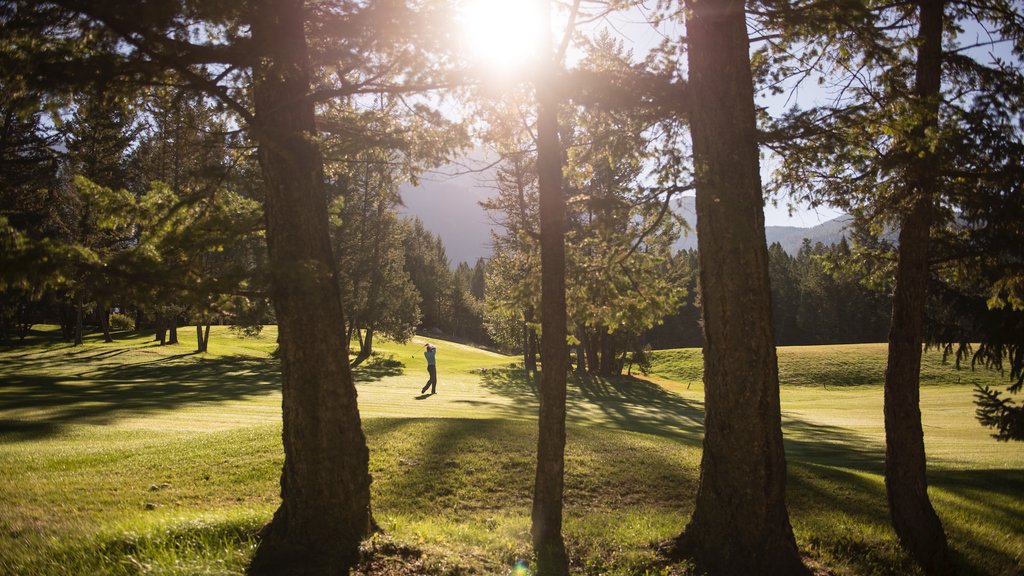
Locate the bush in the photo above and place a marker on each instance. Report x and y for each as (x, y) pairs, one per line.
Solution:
(121, 322)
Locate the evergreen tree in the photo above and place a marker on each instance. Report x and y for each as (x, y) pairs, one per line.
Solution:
(29, 204)
(427, 265)
(100, 135)
(377, 290)
(899, 146)
(258, 60)
(740, 524)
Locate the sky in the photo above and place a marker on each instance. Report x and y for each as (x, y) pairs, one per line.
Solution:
(500, 33)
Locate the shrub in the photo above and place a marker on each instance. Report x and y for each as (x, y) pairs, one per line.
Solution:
(121, 322)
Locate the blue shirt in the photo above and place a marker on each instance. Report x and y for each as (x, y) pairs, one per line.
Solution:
(429, 355)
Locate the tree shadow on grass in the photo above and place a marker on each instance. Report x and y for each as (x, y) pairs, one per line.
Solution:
(830, 445)
(820, 496)
(108, 392)
(626, 402)
(377, 368)
(457, 466)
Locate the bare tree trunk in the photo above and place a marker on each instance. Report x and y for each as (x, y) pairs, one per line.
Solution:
(608, 355)
(548, 545)
(740, 524)
(161, 328)
(78, 328)
(590, 344)
(366, 344)
(172, 330)
(325, 482)
(67, 320)
(529, 342)
(581, 354)
(913, 518)
(202, 337)
(103, 315)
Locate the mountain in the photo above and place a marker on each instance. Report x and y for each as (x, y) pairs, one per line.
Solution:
(449, 206)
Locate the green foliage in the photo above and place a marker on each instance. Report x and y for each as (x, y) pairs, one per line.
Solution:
(429, 269)
(377, 291)
(121, 322)
(1002, 414)
(880, 145)
(621, 278)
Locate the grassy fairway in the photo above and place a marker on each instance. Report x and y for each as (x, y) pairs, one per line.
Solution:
(130, 458)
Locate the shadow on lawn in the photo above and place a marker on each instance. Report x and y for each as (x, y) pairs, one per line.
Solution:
(108, 387)
(109, 391)
(628, 403)
(377, 368)
(457, 466)
(641, 406)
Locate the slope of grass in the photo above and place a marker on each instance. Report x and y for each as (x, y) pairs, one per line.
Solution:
(130, 458)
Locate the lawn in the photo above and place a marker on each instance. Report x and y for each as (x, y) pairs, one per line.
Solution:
(131, 458)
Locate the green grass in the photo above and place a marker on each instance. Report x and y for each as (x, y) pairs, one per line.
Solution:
(131, 458)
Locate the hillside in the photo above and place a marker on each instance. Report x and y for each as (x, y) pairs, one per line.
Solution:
(449, 206)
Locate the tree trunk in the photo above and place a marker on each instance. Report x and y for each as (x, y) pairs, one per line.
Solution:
(366, 344)
(202, 337)
(103, 312)
(325, 482)
(913, 518)
(172, 330)
(740, 524)
(532, 345)
(590, 345)
(581, 357)
(608, 354)
(67, 321)
(78, 328)
(161, 329)
(548, 545)
(529, 342)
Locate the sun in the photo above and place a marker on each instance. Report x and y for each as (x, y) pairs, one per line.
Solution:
(502, 36)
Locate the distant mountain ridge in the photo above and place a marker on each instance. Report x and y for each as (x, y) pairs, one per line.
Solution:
(790, 237)
(450, 208)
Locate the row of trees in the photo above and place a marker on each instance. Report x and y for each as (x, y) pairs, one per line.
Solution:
(820, 295)
(145, 202)
(315, 111)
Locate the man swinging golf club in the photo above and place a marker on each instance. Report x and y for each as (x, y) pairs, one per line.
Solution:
(430, 354)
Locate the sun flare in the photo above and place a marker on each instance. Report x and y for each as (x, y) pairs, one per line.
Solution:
(501, 35)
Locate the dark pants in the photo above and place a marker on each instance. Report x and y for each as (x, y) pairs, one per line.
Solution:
(432, 383)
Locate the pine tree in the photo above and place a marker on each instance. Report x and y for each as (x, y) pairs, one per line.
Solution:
(740, 524)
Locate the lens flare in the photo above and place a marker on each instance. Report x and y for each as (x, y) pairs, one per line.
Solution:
(520, 569)
(502, 35)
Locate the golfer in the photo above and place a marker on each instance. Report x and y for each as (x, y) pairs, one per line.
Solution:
(430, 354)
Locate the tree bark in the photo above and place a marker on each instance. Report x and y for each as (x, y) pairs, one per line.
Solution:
(366, 345)
(608, 360)
(529, 344)
(548, 545)
(78, 328)
(202, 337)
(325, 483)
(161, 329)
(581, 354)
(590, 349)
(740, 524)
(172, 330)
(913, 518)
(103, 311)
